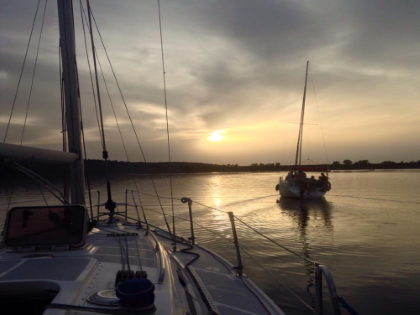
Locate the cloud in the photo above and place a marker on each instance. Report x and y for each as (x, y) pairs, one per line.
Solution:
(231, 65)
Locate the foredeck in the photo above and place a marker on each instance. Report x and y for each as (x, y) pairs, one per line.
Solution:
(77, 274)
(229, 293)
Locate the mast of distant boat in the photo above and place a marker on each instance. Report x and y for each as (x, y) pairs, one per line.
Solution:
(302, 116)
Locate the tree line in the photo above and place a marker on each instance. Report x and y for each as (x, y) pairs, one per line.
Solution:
(97, 167)
(365, 164)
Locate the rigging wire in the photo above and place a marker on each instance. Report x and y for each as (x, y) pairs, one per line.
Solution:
(276, 243)
(167, 120)
(132, 125)
(110, 204)
(104, 153)
(85, 158)
(90, 69)
(319, 116)
(249, 255)
(21, 72)
(33, 72)
(82, 127)
(42, 193)
(82, 13)
(40, 180)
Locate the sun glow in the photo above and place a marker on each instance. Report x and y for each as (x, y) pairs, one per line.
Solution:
(216, 136)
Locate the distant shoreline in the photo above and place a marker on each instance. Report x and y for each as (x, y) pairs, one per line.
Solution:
(97, 168)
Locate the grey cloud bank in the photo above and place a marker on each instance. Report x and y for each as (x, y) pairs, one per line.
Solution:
(236, 66)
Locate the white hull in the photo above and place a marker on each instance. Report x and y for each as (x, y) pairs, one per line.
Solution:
(290, 190)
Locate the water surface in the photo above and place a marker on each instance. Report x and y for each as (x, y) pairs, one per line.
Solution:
(366, 231)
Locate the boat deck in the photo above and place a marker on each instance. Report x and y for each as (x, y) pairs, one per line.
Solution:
(77, 274)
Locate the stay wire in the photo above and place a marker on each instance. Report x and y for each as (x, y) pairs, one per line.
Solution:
(40, 183)
(21, 72)
(251, 257)
(134, 129)
(319, 116)
(261, 234)
(87, 178)
(167, 120)
(96, 79)
(121, 135)
(113, 111)
(33, 72)
(276, 243)
(110, 205)
(278, 280)
(82, 12)
(42, 180)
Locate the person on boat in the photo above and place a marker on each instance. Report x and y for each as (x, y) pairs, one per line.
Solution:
(301, 182)
(301, 175)
(323, 178)
(289, 176)
(312, 182)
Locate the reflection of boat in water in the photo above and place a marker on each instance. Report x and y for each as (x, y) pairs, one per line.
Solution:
(303, 212)
(296, 184)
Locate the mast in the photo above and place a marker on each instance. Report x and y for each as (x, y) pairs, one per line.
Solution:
(71, 91)
(302, 116)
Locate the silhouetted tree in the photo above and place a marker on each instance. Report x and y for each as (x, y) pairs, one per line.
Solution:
(347, 162)
(388, 163)
(362, 162)
(336, 163)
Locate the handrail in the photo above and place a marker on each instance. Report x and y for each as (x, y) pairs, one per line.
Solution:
(189, 201)
(135, 206)
(161, 269)
(240, 267)
(335, 298)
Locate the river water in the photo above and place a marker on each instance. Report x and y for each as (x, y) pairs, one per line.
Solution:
(366, 231)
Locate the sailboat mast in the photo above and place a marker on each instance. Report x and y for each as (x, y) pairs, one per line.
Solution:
(71, 89)
(302, 117)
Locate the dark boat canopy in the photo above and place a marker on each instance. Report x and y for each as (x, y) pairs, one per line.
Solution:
(310, 168)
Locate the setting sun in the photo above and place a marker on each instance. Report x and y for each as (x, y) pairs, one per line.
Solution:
(216, 136)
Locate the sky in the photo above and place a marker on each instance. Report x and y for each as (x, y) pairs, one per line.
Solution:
(235, 74)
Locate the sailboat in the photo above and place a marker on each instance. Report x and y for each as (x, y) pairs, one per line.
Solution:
(297, 184)
(66, 259)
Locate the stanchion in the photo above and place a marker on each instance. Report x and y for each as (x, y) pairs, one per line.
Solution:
(240, 267)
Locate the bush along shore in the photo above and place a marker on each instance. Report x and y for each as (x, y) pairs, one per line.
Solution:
(97, 167)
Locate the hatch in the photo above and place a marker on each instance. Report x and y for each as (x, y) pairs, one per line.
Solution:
(51, 227)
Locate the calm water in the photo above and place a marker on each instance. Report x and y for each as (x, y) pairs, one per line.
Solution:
(366, 231)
